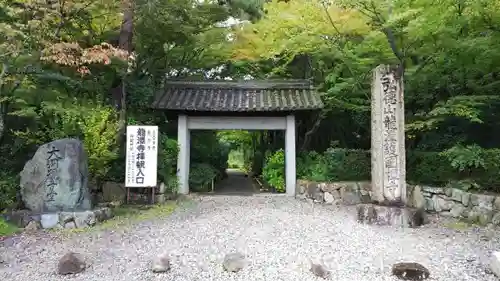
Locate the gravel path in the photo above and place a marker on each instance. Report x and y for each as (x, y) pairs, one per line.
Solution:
(278, 235)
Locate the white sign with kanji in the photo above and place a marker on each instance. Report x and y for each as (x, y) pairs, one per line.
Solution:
(142, 156)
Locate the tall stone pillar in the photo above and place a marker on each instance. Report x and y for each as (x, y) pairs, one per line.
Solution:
(388, 155)
(388, 137)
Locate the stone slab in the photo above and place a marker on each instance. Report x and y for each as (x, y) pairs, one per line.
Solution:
(389, 215)
(49, 220)
(495, 263)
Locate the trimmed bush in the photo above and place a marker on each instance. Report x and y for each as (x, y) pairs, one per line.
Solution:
(430, 168)
(348, 164)
(489, 176)
(273, 171)
(9, 183)
(336, 164)
(201, 176)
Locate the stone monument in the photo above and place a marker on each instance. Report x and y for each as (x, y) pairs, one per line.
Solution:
(388, 137)
(388, 153)
(56, 178)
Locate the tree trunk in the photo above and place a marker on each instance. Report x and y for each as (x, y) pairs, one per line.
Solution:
(4, 108)
(308, 136)
(127, 28)
(124, 43)
(4, 93)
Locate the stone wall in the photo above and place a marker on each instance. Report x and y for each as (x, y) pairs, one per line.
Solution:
(473, 207)
(79, 219)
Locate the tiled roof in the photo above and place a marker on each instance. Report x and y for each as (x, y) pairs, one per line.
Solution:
(238, 96)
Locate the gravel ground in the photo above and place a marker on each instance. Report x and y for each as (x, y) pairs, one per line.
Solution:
(278, 234)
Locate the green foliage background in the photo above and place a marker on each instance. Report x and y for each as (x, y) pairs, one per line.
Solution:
(60, 72)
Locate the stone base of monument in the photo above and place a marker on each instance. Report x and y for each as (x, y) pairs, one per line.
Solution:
(389, 215)
(77, 219)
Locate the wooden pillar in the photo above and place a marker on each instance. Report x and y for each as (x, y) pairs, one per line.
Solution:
(290, 168)
(388, 137)
(183, 140)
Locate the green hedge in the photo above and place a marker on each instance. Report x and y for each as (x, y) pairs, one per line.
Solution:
(335, 164)
(201, 176)
(8, 188)
(431, 168)
(273, 171)
(490, 177)
(435, 169)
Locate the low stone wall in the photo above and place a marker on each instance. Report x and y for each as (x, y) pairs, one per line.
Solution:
(477, 208)
(79, 219)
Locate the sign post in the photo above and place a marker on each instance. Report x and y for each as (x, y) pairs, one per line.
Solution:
(142, 158)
